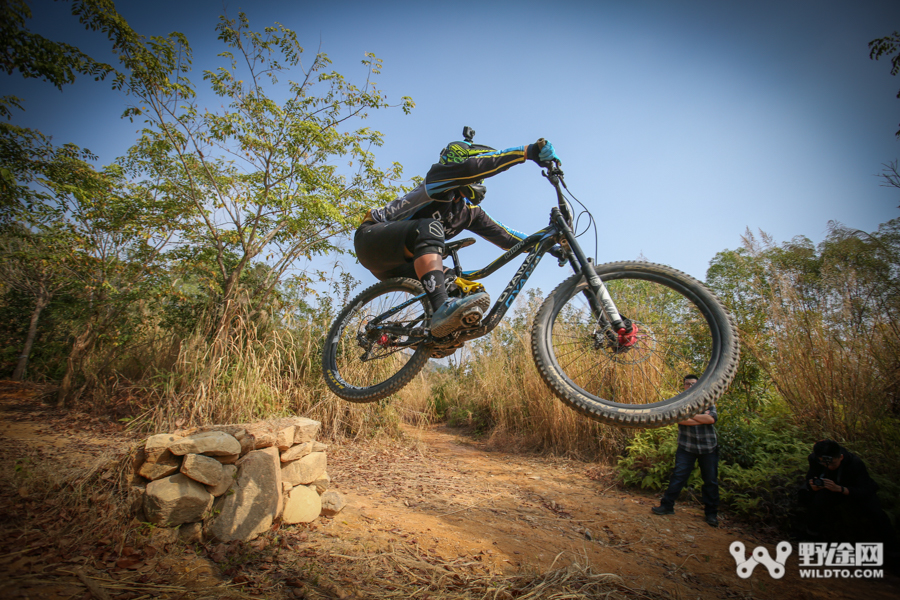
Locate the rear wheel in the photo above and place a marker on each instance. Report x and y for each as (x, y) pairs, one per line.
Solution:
(681, 328)
(364, 359)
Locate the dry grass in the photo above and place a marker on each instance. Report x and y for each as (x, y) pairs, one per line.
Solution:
(401, 572)
(75, 503)
(832, 349)
(254, 372)
(498, 388)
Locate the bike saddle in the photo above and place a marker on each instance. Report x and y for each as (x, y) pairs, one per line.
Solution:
(456, 245)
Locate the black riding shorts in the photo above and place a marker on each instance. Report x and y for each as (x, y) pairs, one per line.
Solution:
(382, 248)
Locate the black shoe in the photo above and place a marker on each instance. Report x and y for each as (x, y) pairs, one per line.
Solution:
(662, 510)
(712, 520)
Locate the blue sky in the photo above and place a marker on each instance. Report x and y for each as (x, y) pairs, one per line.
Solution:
(680, 124)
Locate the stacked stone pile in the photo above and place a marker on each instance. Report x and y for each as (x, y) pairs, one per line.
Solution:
(231, 482)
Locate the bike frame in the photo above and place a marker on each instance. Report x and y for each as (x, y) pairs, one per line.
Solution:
(537, 244)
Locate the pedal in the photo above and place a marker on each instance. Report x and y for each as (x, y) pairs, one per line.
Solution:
(472, 318)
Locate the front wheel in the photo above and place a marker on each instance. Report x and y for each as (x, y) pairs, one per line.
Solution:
(681, 329)
(369, 352)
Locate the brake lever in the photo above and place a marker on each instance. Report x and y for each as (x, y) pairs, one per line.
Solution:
(553, 170)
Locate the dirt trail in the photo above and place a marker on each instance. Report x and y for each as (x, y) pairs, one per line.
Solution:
(512, 512)
(444, 497)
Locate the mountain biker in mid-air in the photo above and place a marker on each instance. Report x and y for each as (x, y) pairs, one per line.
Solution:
(405, 237)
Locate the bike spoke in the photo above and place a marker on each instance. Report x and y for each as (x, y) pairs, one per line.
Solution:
(648, 371)
(364, 358)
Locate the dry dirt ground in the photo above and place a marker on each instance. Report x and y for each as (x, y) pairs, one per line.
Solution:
(437, 517)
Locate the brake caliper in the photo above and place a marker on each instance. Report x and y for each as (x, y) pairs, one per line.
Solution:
(627, 334)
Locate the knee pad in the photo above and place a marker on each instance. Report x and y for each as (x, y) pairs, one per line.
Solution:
(429, 238)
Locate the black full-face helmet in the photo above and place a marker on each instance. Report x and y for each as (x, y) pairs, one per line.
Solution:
(457, 152)
(474, 192)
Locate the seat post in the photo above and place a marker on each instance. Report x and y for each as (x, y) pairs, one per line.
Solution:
(456, 266)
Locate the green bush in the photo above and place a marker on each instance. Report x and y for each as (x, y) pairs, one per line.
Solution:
(762, 460)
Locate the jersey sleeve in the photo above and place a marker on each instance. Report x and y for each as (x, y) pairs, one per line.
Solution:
(442, 180)
(482, 224)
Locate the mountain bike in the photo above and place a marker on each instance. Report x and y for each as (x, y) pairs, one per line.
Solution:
(612, 341)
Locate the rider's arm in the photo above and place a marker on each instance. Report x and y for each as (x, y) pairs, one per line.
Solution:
(441, 180)
(482, 224)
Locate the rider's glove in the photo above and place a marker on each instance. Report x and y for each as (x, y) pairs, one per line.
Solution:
(542, 153)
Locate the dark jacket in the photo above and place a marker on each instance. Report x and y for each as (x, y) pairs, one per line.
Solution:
(438, 197)
(852, 474)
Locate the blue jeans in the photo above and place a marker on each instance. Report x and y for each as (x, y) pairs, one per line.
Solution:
(709, 471)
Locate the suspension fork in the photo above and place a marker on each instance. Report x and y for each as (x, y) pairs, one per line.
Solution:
(597, 295)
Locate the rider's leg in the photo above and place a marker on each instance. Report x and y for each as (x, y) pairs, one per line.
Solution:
(430, 271)
(427, 251)
(449, 315)
(405, 249)
(393, 249)
(428, 262)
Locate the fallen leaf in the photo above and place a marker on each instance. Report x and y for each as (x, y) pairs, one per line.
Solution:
(129, 562)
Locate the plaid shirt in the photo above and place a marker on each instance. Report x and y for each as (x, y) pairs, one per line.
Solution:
(699, 439)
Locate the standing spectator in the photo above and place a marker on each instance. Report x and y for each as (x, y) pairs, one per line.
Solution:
(697, 442)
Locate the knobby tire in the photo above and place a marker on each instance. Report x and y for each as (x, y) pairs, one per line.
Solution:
(345, 373)
(682, 328)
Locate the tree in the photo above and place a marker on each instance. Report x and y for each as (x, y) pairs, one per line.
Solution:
(891, 175)
(115, 236)
(28, 154)
(28, 264)
(821, 323)
(258, 180)
(46, 191)
(887, 46)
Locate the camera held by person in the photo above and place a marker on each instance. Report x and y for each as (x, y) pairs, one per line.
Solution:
(838, 479)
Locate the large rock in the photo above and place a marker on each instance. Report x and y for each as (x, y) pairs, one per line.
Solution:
(229, 459)
(237, 431)
(273, 453)
(213, 443)
(305, 430)
(332, 503)
(305, 470)
(204, 469)
(262, 434)
(298, 451)
(248, 444)
(303, 505)
(284, 438)
(156, 445)
(174, 500)
(165, 465)
(251, 509)
(229, 474)
(266, 433)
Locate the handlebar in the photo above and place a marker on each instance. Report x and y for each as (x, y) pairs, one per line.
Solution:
(554, 174)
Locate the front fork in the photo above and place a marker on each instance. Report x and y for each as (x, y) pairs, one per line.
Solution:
(597, 295)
